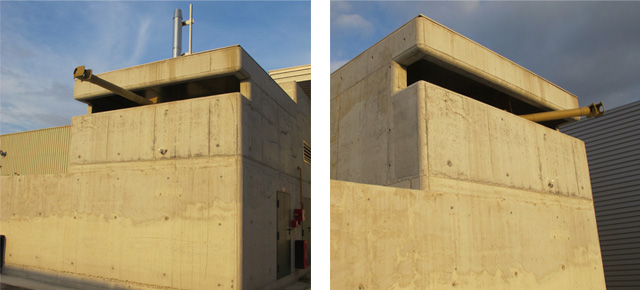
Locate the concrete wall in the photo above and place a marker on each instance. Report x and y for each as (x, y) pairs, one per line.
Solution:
(504, 203)
(424, 131)
(273, 130)
(465, 140)
(476, 237)
(128, 215)
(175, 195)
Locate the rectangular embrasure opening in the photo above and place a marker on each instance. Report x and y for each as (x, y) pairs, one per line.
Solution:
(169, 93)
(449, 79)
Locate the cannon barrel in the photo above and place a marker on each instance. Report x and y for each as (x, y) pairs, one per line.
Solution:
(86, 75)
(593, 110)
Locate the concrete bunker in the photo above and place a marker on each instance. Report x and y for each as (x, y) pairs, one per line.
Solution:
(431, 157)
(185, 180)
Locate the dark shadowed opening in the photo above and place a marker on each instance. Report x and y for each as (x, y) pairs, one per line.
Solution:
(449, 79)
(170, 93)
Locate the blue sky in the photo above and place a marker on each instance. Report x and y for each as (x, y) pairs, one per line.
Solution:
(42, 42)
(591, 49)
(588, 48)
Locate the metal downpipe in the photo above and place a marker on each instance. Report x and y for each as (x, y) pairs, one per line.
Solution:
(177, 33)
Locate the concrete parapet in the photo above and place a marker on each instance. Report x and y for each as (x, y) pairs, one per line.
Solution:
(201, 127)
(469, 141)
(425, 131)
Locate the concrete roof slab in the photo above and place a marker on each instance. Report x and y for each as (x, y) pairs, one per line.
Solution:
(425, 39)
(208, 64)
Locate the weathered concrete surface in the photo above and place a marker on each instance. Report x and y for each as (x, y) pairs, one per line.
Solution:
(148, 224)
(175, 195)
(128, 215)
(191, 128)
(469, 141)
(472, 196)
(472, 237)
(424, 132)
(362, 94)
(272, 152)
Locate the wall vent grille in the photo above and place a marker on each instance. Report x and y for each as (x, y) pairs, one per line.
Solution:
(307, 152)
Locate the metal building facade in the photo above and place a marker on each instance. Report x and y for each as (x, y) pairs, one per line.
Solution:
(613, 150)
(42, 151)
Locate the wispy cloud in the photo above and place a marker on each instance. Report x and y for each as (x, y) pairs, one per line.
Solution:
(142, 40)
(353, 24)
(42, 42)
(35, 90)
(336, 64)
(36, 78)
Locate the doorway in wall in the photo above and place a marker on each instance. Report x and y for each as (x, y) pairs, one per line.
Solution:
(284, 234)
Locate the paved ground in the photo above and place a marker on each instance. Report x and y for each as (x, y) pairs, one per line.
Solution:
(17, 283)
(296, 286)
(303, 284)
(9, 287)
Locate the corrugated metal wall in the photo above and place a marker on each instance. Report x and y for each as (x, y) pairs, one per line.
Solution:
(613, 150)
(43, 151)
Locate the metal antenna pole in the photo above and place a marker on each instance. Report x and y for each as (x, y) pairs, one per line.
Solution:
(191, 21)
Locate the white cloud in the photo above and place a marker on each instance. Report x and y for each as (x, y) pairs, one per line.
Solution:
(142, 40)
(468, 7)
(353, 24)
(40, 47)
(36, 84)
(336, 64)
(340, 6)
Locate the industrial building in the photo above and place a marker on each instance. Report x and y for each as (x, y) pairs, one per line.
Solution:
(438, 181)
(613, 150)
(201, 180)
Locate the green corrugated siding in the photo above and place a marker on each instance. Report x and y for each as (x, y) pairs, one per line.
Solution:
(42, 151)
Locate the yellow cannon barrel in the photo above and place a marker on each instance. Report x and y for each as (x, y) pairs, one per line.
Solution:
(86, 75)
(593, 110)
